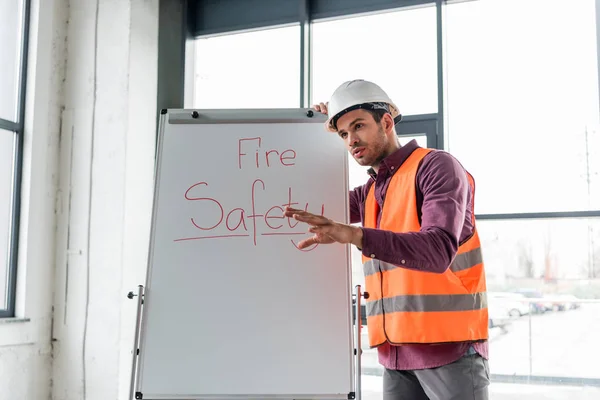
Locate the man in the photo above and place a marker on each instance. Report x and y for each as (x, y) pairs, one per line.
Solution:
(427, 309)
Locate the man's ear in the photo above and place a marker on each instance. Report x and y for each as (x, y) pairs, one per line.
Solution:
(387, 122)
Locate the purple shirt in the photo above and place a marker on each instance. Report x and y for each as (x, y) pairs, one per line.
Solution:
(445, 210)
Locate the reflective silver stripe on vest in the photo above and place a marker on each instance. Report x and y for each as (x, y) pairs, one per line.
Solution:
(372, 266)
(428, 303)
(466, 260)
(461, 262)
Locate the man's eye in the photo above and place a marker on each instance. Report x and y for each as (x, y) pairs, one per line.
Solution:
(357, 126)
(343, 135)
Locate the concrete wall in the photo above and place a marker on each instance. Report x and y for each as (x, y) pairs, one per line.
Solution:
(87, 192)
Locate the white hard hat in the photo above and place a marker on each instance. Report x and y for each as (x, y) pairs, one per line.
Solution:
(355, 94)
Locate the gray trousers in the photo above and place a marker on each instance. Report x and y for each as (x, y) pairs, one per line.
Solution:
(467, 378)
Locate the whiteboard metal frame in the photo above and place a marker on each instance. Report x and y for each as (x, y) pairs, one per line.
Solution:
(241, 116)
(136, 339)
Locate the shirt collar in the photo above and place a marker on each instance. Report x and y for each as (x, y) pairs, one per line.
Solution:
(396, 159)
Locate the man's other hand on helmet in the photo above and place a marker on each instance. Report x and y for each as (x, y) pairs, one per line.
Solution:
(321, 107)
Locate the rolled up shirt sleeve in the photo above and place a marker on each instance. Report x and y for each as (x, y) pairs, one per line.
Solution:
(444, 185)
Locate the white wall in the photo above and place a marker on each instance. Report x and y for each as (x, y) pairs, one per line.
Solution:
(106, 193)
(87, 192)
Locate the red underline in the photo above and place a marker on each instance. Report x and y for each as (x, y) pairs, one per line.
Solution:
(209, 237)
(283, 233)
(232, 236)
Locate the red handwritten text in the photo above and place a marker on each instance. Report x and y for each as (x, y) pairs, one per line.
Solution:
(257, 220)
(272, 155)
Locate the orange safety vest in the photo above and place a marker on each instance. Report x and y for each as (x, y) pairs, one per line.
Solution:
(407, 306)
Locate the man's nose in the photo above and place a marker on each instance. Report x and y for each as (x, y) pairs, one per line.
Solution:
(352, 139)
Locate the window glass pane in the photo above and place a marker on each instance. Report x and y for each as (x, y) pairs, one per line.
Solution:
(249, 70)
(396, 50)
(549, 252)
(10, 46)
(551, 264)
(6, 185)
(523, 103)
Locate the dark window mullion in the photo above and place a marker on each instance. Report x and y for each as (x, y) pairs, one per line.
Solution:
(23, 72)
(19, 128)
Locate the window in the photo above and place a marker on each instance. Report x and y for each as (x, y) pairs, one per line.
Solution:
(258, 69)
(544, 250)
(543, 279)
(354, 48)
(12, 42)
(529, 94)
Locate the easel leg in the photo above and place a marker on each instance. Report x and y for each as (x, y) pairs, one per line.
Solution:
(358, 341)
(136, 340)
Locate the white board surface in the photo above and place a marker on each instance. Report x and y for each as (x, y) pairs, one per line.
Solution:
(232, 307)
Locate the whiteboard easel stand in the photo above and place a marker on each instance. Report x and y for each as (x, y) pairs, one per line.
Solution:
(136, 340)
(358, 294)
(180, 117)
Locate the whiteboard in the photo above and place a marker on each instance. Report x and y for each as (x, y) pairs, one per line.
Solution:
(232, 308)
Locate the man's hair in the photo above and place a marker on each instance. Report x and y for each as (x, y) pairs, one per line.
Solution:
(377, 115)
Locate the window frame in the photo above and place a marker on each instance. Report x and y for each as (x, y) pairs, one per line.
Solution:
(17, 128)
